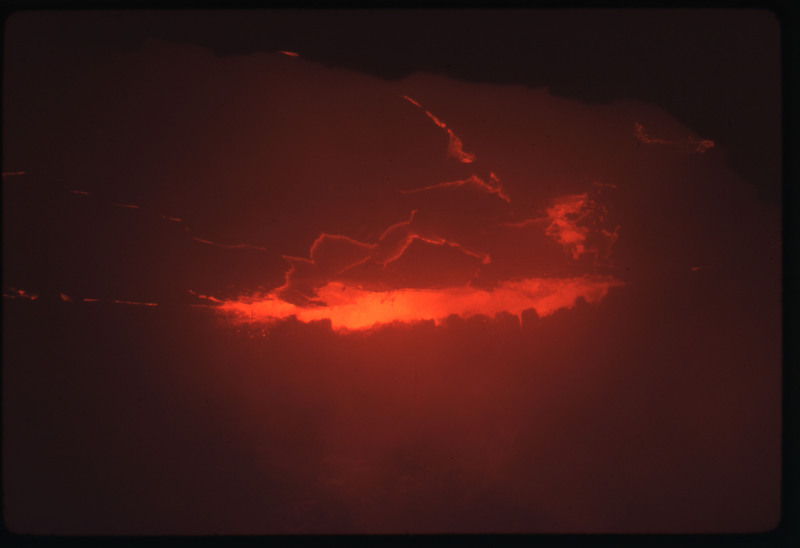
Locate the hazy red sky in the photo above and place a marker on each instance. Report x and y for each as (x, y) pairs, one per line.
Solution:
(157, 171)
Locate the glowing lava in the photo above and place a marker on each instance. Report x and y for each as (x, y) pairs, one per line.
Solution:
(493, 187)
(353, 308)
(455, 147)
(327, 285)
(347, 282)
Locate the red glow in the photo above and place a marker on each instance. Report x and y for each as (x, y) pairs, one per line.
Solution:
(353, 308)
(457, 340)
(456, 149)
(20, 293)
(475, 181)
(436, 120)
(205, 297)
(12, 173)
(412, 101)
(325, 285)
(564, 218)
(339, 281)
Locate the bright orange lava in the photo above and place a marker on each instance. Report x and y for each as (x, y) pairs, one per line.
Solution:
(353, 308)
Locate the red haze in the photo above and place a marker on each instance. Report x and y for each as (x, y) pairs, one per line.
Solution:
(339, 320)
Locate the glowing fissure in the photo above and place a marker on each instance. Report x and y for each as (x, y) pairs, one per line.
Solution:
(701, 145)
(354, 308)
(455, 147)
(391, 245)
(335, 282)
(436, 120)
(333, 257)
(412, 101)
(493, 187)
(485, 258)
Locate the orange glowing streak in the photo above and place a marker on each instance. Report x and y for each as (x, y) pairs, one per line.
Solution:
(455, 147)
(289, 53)
(65, 298)
(390, 246)
(436, 120)
(90, 300)
(129, 206)
(81, 192)
(316, 246)
(135, 303)
(206, 297)
(175, 219)
(412, 101)
(352, 308)
(12, 173)
(473, 180)
(484, 257)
